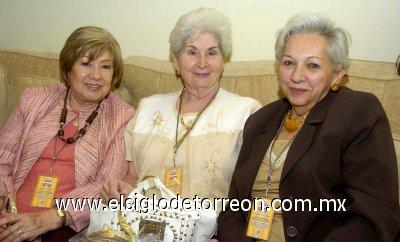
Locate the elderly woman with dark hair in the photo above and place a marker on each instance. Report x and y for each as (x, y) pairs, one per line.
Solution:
(190, 138)
(64, 140)
(320, 142)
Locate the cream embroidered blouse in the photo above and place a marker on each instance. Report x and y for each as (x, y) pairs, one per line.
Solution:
(208, 155)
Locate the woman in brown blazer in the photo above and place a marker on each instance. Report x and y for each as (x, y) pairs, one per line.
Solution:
(320, 142)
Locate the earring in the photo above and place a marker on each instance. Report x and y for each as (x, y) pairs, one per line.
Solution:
(335, 87)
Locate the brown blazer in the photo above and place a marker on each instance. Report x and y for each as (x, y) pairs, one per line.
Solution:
(344, 150)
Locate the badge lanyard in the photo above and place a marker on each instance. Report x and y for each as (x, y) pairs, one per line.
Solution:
(274, 164)
(259, 224)
(178, 142)
(174, 176)
(55, 155)
(46, 186)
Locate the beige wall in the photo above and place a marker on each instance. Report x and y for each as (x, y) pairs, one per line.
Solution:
(142, 26)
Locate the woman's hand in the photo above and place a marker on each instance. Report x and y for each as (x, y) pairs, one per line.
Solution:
(114, 188)
(28, 226)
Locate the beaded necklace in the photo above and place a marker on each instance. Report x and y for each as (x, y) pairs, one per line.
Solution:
(82, 131)
(292, 125)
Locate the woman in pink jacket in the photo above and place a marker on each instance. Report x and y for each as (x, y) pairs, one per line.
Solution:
(63, 141)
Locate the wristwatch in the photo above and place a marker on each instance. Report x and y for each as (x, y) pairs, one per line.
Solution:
(62, 216)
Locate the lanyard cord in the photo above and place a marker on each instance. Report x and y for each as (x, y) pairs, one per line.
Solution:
(178, 142)
(57, 153)
(274, 164)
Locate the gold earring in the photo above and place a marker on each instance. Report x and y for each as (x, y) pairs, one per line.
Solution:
(335, 87)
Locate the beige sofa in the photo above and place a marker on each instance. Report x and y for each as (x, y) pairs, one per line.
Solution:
(145, 76)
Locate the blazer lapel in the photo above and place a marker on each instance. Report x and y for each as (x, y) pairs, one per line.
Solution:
(299, 146)
(37, 138)
(306, 134)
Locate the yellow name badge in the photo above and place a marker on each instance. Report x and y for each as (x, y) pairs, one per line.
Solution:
(173, 179)
(45, 189)
(260, 219)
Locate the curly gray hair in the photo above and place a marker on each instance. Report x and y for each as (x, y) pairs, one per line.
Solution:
(202, 20)
(338, 38)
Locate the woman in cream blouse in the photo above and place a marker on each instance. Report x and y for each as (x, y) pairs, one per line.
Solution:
(190, 138)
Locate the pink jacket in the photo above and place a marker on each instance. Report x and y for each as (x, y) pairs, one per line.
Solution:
(99, 154)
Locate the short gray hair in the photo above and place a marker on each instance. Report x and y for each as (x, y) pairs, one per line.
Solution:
(338, 39)
(202, 20)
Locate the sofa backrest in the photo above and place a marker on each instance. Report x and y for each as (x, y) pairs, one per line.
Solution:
(144, 76)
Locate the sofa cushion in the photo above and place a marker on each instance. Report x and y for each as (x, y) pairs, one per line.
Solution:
(145, 76)
(123, 93)
(20, 82)
(22, 63)
(4, 89)
(396, 139)
(142, 82)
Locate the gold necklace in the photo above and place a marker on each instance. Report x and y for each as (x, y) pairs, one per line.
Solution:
(188, 124)
(292, 125)
(188, 128)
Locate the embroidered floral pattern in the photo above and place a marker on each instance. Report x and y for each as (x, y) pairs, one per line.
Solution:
(211, 165)
(157, 120)
(208, 155)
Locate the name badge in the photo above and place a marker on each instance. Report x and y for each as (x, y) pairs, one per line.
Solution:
(173, 179)
(260, 219)
(45, 189)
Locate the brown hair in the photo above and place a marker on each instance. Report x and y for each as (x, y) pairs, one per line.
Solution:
(92, 41)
